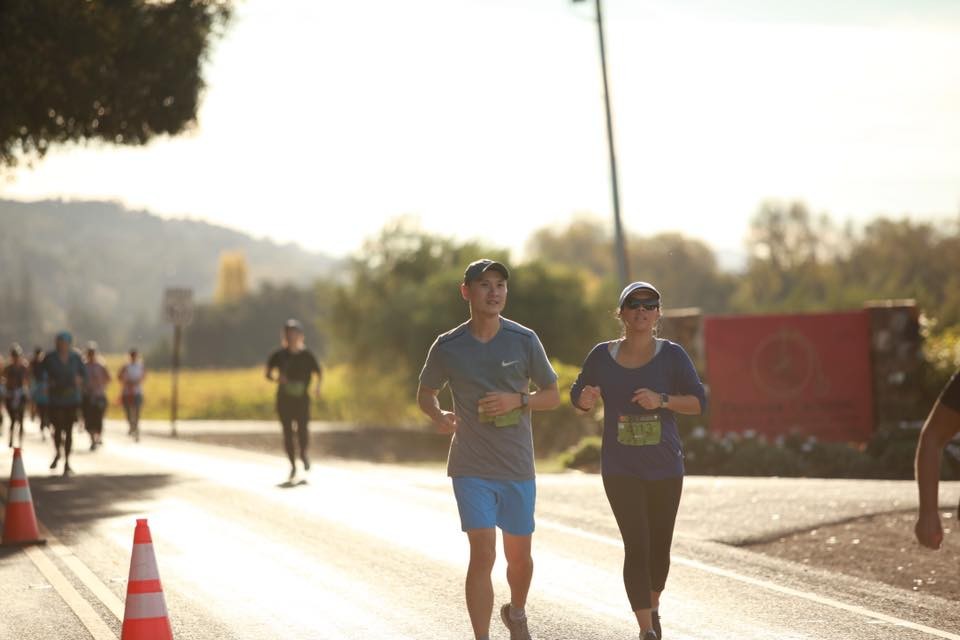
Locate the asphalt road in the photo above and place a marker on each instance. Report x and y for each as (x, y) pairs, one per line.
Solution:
(367, 551)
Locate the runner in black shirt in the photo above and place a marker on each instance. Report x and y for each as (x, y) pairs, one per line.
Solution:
(295, 365)
(38, 392)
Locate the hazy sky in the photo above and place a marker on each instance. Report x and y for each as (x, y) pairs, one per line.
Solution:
(323, 120)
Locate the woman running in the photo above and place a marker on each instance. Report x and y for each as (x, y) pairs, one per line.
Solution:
(95, 395)
(295, 365)
(15, 377)
(65, 374)
(644, 382)
(132, 375)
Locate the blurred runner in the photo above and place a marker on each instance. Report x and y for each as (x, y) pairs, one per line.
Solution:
(15, 379)
(38, 393)
(95, 395)
(132, 375)
(942, 425)
(295, 365)
(489, 363)
(65, 374)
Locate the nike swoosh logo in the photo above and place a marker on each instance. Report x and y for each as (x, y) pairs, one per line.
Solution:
(507, 364)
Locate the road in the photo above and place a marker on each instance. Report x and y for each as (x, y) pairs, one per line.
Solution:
(367, 551)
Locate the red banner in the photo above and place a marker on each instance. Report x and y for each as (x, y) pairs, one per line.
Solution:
(782, 374)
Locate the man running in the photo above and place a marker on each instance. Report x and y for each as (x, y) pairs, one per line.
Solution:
(95, 395)
(15, 377)
(489, 363)
(295, 365)
(942, 425)
(38, 393)
(65, 373)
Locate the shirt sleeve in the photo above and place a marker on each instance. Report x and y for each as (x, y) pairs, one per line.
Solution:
(951, 393)
(686, 379)
(541, 371)
(272, 361)
(315, 365)
(434, 374)
(587, 376)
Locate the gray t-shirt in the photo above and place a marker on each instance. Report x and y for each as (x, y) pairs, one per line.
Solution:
(495, 449)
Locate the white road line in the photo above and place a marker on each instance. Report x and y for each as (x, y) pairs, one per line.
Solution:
(88, 616)
(84, 574)
(71, 596)
(757, 582)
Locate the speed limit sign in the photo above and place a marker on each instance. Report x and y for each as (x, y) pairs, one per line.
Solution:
(178, 306)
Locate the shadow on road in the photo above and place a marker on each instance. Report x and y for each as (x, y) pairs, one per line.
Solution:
(77, 502)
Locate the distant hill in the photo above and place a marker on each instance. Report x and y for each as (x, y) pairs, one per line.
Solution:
(101, 269)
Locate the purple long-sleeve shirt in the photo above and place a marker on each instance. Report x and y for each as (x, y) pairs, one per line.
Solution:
(653, 450)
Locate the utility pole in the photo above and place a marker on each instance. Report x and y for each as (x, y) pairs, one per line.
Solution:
(623, 265)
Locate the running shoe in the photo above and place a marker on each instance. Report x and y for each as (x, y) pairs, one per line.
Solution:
(306, 463)
(649, 635)
(656, 624)
(67, 470)
(56, 461)
(293, 473)
(518, 628)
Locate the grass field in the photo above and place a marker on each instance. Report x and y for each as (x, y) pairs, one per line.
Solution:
(245, 394)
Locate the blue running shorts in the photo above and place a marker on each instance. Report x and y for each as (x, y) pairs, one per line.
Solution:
(484, 504)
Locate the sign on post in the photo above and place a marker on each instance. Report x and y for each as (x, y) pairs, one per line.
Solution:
(178, 306)
(782, 374)
(178, 311)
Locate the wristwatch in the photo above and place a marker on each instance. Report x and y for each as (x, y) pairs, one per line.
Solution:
(524, 400)
(664, 400)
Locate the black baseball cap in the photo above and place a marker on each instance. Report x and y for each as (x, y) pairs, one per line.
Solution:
(477, 268)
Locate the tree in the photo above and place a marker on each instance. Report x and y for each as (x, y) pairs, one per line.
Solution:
(792, 262)
(117, 71)
(232, 278)
(685, 269)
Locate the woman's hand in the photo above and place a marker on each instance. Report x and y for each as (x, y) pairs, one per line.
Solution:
(647, 399)
(588, 397)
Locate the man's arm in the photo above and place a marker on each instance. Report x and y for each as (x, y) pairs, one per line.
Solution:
(497, 403)
(942, 425)
(444, 421)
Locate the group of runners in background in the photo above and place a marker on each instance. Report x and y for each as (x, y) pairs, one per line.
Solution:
(61, 386)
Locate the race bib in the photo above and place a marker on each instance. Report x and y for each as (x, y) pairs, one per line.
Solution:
(510, 419)
(639, 431)
(294, 388)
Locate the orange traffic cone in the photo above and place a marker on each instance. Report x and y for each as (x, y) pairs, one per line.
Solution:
(20, 521)
(145, 615)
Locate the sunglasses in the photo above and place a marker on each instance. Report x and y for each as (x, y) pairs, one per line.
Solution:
(636, 303)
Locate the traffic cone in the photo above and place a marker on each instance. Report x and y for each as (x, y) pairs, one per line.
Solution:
(145, 614)
(20, 520)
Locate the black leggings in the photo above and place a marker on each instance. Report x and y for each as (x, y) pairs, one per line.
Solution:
(15, 411)
(294, 410)
(646, 511)
(93, 410)
(63, 419)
